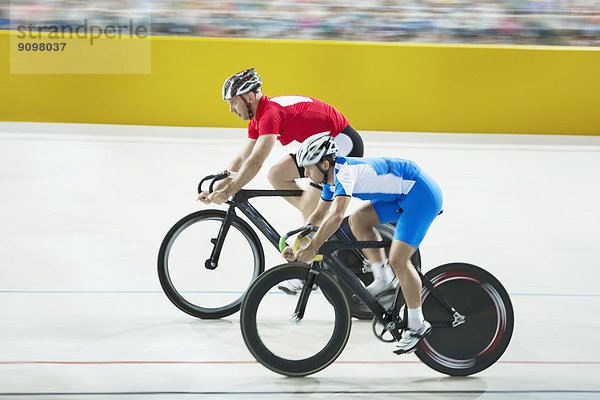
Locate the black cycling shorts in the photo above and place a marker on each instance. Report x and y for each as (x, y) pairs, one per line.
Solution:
(350, 144)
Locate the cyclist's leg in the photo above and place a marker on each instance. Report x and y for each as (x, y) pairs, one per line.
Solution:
(419, 209)
(400, 254)
(410, 283)
(310, 199)
(282, 176)
(362, 223)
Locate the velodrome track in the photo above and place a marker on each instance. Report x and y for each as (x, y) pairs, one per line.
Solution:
(85, 207)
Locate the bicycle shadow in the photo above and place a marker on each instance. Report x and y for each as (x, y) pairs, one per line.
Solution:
(209, 325)
(466, 387)
(299, 385)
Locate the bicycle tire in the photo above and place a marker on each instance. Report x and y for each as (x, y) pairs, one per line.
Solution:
(263, 352)
(475, 345)
(177, 296)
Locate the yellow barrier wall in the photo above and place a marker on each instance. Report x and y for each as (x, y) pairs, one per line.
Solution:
(392, 87)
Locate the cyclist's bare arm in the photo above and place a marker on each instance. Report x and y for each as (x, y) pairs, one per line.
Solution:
(244, 154)
(252, 164)
(235, 166)
(332, 221)
(314, 219)
(248, 170)
(320, 212)
(328, 227)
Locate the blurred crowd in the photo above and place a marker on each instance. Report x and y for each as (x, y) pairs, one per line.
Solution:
(524, 22)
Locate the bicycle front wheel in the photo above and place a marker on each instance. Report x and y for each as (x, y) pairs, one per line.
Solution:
(280, 343)
(182, 268)
(476, 344)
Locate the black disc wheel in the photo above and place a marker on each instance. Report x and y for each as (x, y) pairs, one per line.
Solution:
(189, 279)
(282, 343)
(477, 342)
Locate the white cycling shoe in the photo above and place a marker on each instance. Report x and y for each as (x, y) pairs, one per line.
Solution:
(410, 338)
(293, 286)
(378, 286)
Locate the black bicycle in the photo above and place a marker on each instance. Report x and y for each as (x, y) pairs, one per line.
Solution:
(470, 312)
(209, 258)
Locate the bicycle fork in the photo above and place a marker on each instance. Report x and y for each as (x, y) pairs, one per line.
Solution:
(213, 261)
(298, 314)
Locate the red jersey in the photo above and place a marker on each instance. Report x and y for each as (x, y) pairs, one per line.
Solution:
(295, 118)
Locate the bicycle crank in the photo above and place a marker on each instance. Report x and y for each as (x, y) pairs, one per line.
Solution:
(383, 332)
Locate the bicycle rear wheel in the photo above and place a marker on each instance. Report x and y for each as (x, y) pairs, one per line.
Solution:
(485, 334)
(184, 277)
(280, 344)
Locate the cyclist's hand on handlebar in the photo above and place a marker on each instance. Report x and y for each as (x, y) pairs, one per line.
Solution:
(218, 197)
(305, 249)
(305, 255)
(288, 253)
(203, 197)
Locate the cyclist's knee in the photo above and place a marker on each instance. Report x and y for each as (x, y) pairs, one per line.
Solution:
(400, 255)
(272, 176)
(399, 263)
(359, 225)
(277, 176)
(363, 219)
(285, 171)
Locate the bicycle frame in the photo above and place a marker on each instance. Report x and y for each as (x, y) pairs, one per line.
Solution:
(390, 318)
(240, 201)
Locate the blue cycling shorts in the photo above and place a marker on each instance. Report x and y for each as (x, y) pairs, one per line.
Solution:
(418, 210)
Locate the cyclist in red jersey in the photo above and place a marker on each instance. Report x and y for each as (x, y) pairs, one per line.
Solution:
(286, 119)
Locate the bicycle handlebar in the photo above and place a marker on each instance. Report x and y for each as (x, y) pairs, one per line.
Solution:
(214, 178)
(303, 232)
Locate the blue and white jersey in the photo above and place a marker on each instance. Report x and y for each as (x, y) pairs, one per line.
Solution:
(372, 178)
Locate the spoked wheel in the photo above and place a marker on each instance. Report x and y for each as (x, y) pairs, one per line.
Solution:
(359, 309)
(190, 282)
(283, 345)
(474, 345)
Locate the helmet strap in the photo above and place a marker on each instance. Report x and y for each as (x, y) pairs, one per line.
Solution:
(249, 105)
(323, 172)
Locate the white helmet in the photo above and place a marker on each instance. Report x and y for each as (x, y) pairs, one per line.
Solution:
(315, 148)
(241, 83)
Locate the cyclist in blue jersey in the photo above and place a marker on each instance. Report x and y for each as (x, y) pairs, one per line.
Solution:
(398, 191)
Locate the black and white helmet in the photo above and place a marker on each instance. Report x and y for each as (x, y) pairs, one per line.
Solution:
(241, 83)
(315, 148)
